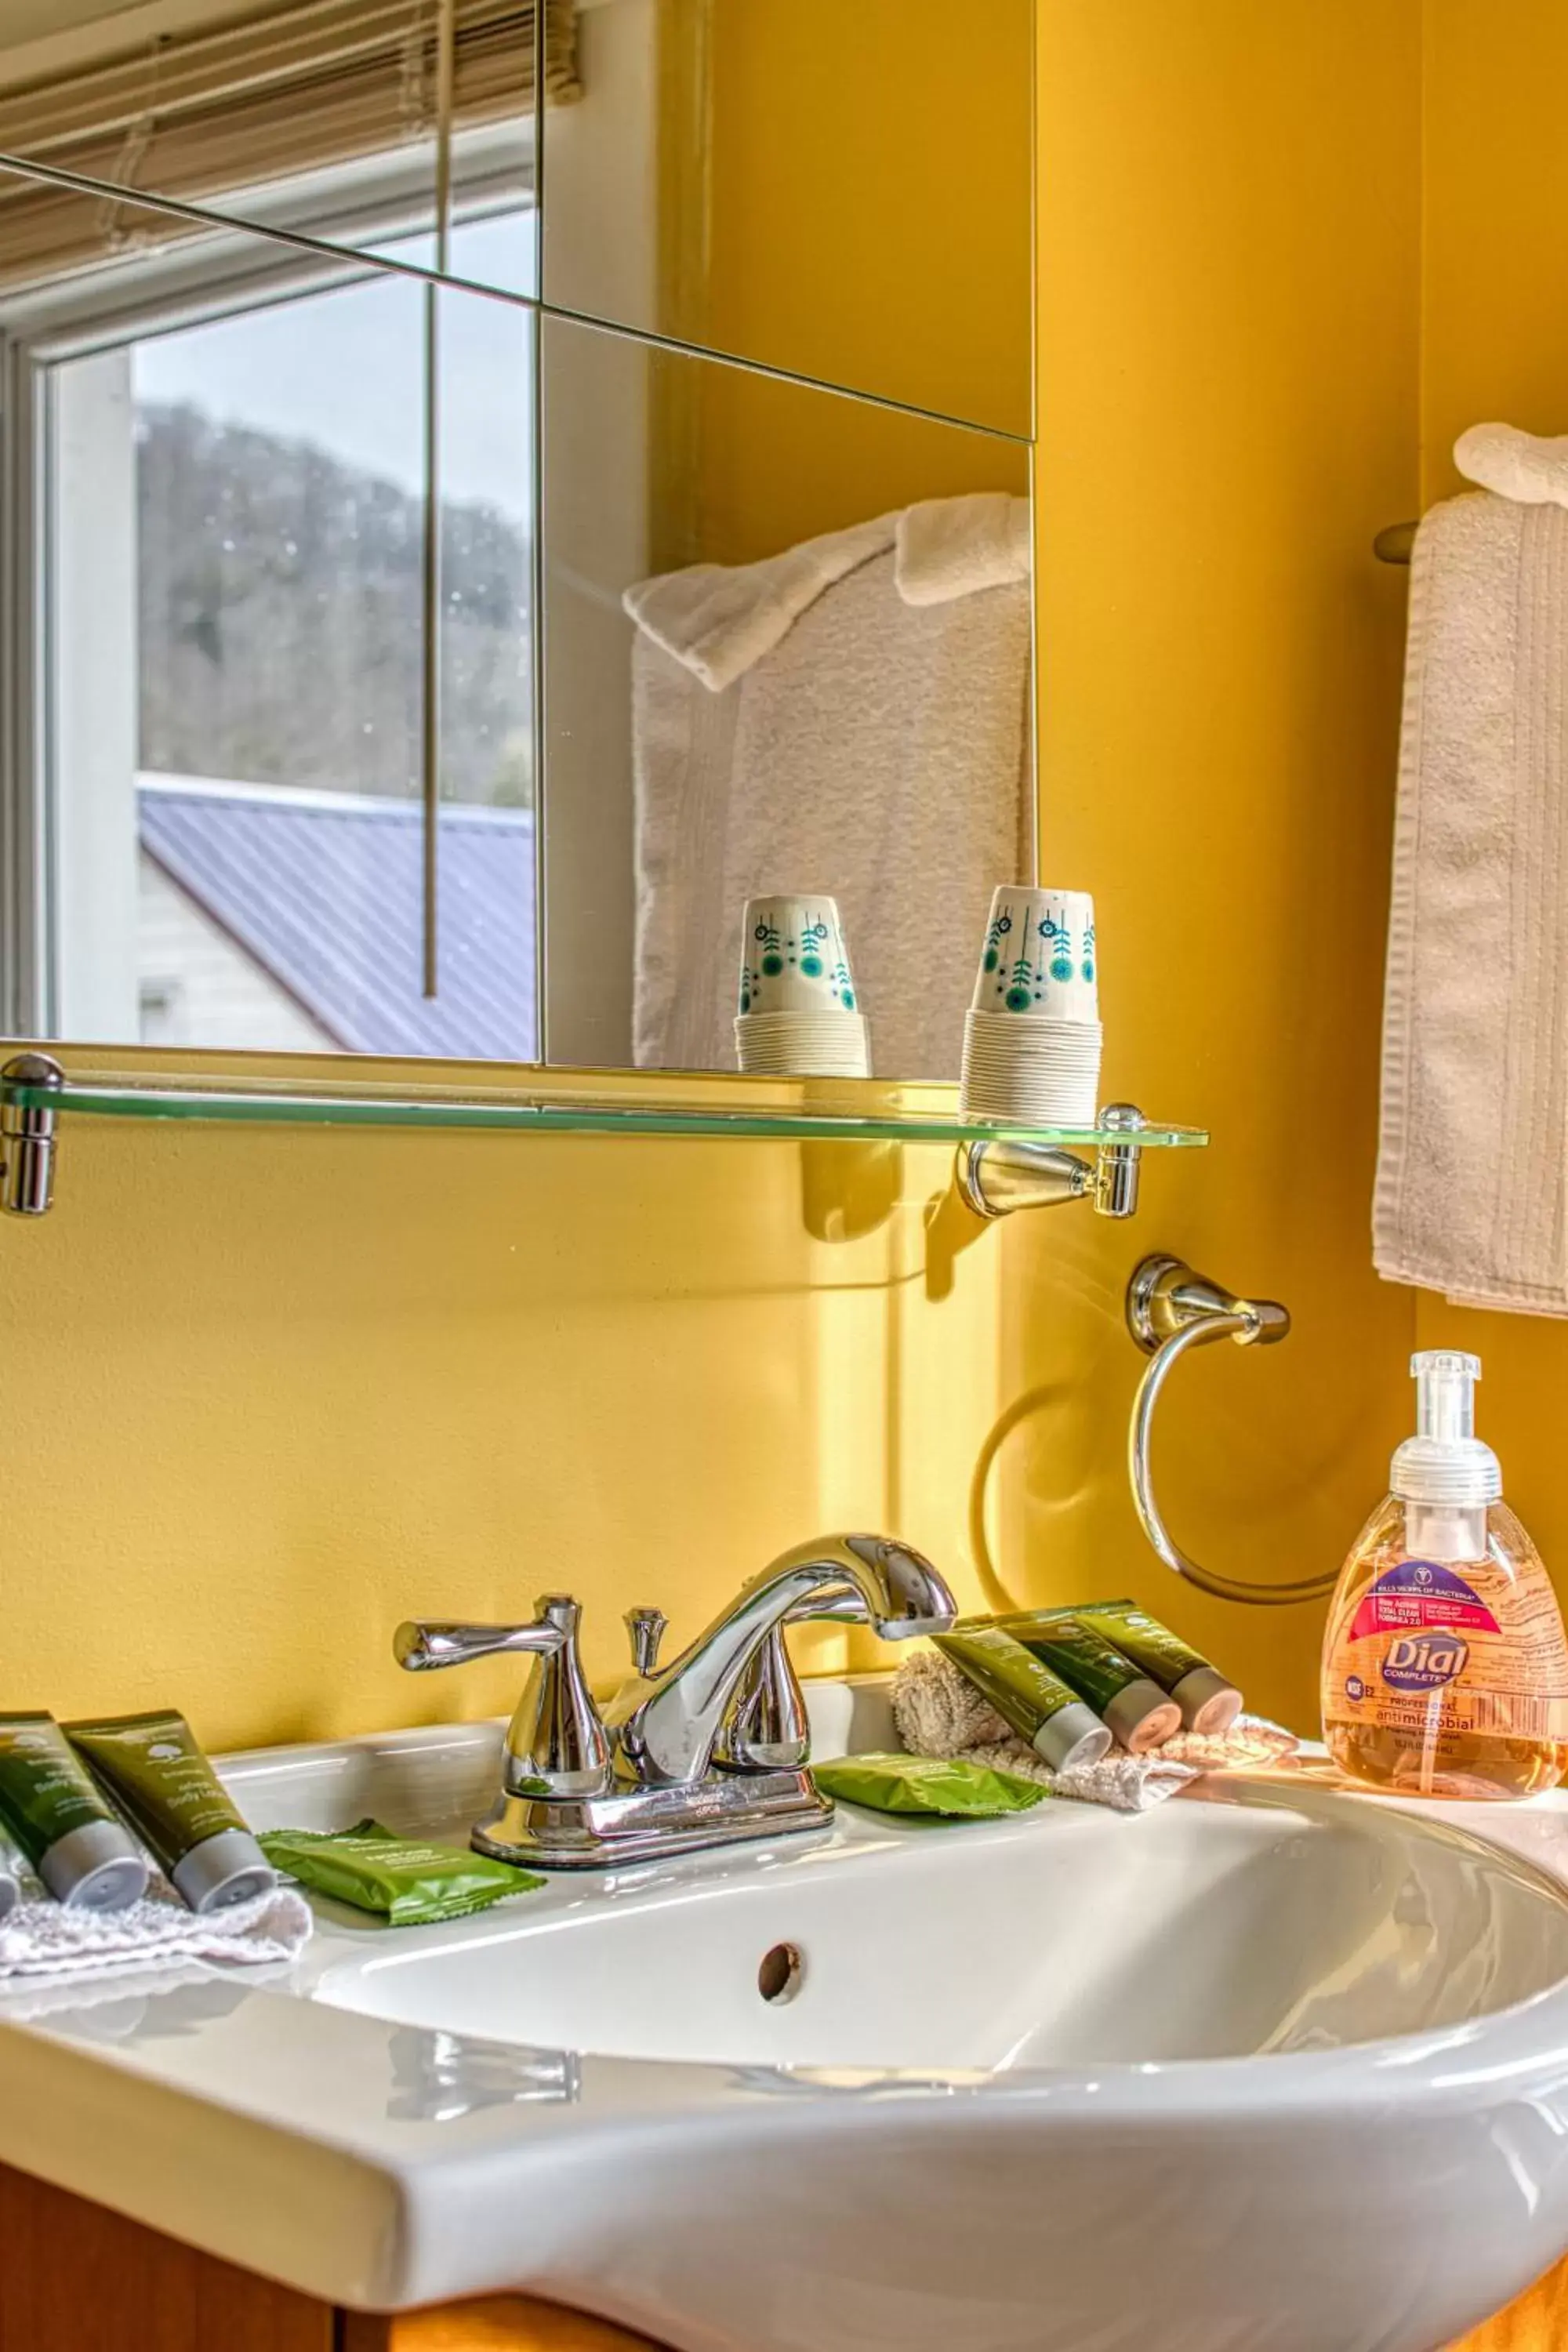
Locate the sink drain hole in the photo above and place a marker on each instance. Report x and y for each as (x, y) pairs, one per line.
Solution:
(781, 1975)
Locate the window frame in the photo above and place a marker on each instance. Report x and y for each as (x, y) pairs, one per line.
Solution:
(211, 275)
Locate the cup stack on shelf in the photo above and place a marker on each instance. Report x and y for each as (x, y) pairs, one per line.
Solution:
(1032, 1035)
(798, 1016)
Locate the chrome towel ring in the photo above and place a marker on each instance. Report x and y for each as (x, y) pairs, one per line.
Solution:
(1169, 1311)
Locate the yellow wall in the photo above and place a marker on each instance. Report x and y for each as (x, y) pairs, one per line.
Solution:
(861, 215)
(268, 1391)
(1229, 243)
(868, 220)
(1495, 337)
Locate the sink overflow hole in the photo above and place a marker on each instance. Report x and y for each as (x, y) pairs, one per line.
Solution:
(780, 1977)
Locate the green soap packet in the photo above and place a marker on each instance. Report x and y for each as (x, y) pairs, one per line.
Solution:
(928, 1784)
(407, 1884)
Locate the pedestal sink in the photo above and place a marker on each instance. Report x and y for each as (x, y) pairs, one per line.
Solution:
(1275, 2070)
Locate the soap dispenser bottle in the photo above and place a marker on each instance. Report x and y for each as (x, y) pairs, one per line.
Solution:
(1444, 1668)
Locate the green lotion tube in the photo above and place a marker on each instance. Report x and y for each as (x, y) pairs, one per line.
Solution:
(53, 1813)
(1136, 1708)
(1036, 1702)
(157, 1774)
(1209, 1704)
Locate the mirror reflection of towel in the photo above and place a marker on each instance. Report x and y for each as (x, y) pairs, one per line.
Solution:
(849, 717)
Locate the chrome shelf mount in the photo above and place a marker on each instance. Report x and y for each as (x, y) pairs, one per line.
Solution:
(996, 1179)
(27, 1135)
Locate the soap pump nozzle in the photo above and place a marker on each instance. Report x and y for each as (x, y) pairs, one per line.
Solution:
(1444, 1393)
(1446, 1476)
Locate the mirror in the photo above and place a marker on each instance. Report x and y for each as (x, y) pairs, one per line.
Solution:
(364, 693)
(819, 674)
(222, 792)
(841, 188)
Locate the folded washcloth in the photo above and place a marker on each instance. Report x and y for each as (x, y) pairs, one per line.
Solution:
(939, 1712)
(1532, 468)
(47, 1939)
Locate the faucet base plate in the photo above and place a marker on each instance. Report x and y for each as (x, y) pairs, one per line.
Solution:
(643, 1824)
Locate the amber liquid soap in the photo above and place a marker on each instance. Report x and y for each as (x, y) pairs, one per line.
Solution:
(1445, 1667)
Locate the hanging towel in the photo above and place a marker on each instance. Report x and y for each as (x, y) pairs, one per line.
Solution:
(1470, 1182)
(849, 717)
(1529, 467)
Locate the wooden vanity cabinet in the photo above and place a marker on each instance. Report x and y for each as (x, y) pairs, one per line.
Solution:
(1537, 2322)
(75, 2277)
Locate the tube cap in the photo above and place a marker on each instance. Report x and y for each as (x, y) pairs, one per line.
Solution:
(225, 1869)
(96, 1868)
(1074, 1735)
(1209, 1704)
(1142, 1716)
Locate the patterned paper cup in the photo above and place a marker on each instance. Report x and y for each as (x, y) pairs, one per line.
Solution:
(1029, 1071)
(804, 1045)
(1039, 962)
(793, 958)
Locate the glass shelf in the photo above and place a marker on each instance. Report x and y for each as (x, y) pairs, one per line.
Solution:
(573, 1103)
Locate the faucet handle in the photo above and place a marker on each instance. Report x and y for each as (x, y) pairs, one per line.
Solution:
(423, 1643)
(556, 1745)
(646, 1627)
(766, 1730)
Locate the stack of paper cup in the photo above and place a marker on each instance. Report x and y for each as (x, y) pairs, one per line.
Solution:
(1032, 1035)
(798, 1016)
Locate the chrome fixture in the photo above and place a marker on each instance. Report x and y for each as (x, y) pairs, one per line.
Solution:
(556, 1743)
(995, 1178)
(706, 1750)
(28, 1137)
(1171, 1310)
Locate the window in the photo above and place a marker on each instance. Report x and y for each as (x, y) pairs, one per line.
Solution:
(231, 611)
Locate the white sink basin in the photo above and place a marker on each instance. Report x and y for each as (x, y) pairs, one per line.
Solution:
(1064, 1938)
(1273, 2071)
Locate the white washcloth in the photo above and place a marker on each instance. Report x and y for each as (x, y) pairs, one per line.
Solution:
(939, 1712)
(850, 717)
(51, 1939)
(1470, 1180)
(1531, 467)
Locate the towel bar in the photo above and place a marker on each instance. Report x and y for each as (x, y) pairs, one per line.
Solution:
(1169, 1310)
(1394, 544)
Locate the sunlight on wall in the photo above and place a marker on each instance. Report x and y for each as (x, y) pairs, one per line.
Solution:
(1227, 334)
(1495, 335)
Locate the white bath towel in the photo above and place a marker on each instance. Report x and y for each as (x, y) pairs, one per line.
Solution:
(1531, 467)
(1470, 1182)
(850, 717)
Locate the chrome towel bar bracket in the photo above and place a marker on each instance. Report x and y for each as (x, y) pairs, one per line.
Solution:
(1169, 1311)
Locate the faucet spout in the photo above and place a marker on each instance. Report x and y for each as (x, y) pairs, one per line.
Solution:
(666, 1725)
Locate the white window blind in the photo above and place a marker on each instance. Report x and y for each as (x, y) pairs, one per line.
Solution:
(287, 89)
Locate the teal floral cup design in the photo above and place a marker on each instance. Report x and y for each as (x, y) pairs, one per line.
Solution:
(793, 958)
(1039, 959)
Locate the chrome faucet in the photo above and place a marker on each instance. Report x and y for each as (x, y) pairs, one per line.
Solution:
(710, 1749)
